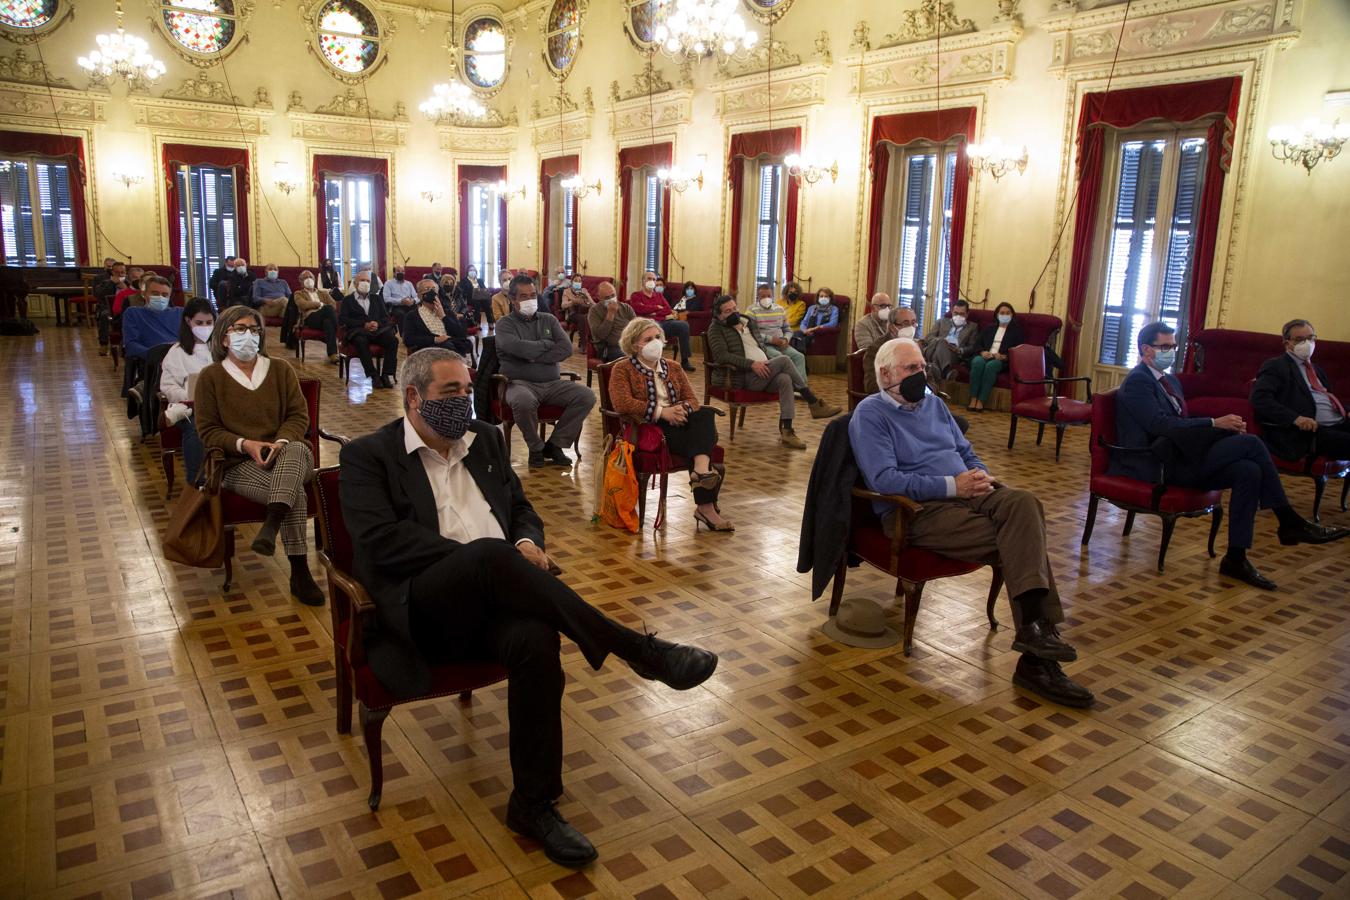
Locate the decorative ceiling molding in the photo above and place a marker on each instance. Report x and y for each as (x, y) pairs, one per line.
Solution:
(500, 139)
(348, 119)
(770, 14)
(979, 57)
(1168, 27)
(793, 88)
(634, 116)
(202, 89)
(198, 116)
(491, 118)
(352, 105)
(21, 69)
(931, 18)
(559, 119)
(758, 60)
(31, 104)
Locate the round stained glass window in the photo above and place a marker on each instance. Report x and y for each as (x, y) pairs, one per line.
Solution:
(768, 10)
(200, 26)
(485, 53)
(348, 36)
(27, 13)
(644, 16)
(562, 36)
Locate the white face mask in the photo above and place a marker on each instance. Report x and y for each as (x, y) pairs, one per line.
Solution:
(272, 274)
(202, 333)
(906, 332)
(660, 288)
(528, 307)
(242, 270)
(363, 287)
(651, 351)
(244, 346)
(309, 284)
(1304, 351)
(959, 321)
(649, 285)
(823, 301)
(884, 313)
(766, 303)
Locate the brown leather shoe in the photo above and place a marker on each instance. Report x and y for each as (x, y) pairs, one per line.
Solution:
(788, 438)
(822, 410)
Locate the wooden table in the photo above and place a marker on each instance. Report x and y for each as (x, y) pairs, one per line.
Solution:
(61, 293)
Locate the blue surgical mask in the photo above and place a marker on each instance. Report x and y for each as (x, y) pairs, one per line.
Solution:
(244, 346)
(689, 292)
(158, 304)
(1004, 319)
(272, 274)
(1164, 359)
(576, 285)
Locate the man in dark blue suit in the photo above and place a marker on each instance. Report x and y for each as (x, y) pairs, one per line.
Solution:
(1205, 453)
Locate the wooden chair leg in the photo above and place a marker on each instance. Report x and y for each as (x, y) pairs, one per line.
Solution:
(1214, 528)
(662, 483)
(1345, 492)
(1169, 523)
(344, 691)
(840, 572)
(733, 421)
(506, 436)
(372, 723)
(465, 698)
(1091, 518)
(743, 408)
(1059, 440)
(1129, 524)
(642, 499)
(1319, 487)
(913, 593)
(1012, 431)
(995, 585)
(1040, 433)
(229, 558)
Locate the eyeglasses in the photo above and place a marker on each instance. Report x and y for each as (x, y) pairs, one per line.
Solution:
(1172, 346)
(1300, 340)
(245, 329)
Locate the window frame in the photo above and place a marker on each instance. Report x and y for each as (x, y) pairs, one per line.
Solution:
(461, 40)
(348, 225)
(489, 268)
(1164, 220)
(25, 35)
(567, 229)
(381, 39)
(638, 41)
(777, 225)
(242, 12)
(187, 229)
(939, 219)
(560, 73)
(39, 214)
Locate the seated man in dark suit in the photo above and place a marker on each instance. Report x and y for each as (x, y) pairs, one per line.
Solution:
(453, 554)
(1295, 404)
(1204, 453)
(367, 322)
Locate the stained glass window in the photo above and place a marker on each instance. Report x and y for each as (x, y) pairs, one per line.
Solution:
(27, 13)
(201, 26)
(563, 35)
(768, 10)
(485, 52)
(348, 36)
(645, 15)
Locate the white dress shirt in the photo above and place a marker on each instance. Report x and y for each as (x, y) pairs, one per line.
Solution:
(998, 339)
(753, 351)
(462, 512)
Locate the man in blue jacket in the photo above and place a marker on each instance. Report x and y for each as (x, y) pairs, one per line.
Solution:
(154, 323)
(906, 442)
(1200, 452)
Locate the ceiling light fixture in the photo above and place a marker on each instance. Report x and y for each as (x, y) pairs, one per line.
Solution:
(454, 99)
(122, 55)
(702, 28)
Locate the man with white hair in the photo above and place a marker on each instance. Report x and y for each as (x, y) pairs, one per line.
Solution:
(906, 442)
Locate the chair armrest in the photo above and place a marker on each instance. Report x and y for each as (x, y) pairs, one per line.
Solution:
(572, 375)
(906, 509)
(362, 609)
(340, 439)
(905, 503)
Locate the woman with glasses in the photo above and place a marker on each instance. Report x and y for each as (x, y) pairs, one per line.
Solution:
(252, 409)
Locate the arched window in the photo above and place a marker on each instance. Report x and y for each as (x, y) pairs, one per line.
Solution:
(24, 21)
(348, 37)
(643, 17)
(202, 28)
(485, 53)
(562, 35)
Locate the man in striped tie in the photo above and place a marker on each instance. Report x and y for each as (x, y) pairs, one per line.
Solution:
(1295, 404)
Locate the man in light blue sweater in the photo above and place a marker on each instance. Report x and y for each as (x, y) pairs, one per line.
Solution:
(906, 442)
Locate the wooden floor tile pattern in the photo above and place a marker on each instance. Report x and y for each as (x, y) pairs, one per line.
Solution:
(161, 738)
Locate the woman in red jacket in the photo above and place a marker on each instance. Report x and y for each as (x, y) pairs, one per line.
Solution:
(645, 390)
(651, 303)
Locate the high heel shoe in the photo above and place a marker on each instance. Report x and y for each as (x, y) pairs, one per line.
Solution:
(700, 517)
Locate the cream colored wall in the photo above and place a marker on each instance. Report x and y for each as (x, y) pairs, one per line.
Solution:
(1290, 256)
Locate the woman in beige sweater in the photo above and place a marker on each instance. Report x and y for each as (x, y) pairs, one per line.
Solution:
(251, 408)
(317, 310)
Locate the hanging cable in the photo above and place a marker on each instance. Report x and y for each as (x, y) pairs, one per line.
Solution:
(370, 126)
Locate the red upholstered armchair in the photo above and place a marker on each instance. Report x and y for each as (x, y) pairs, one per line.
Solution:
(912, 567)
(705, 294)
(1038, 329)
(1029, 399)
(857, 390)
(659, 462)
(825, 342)
(736, 398)
(548, 413)
(353, 610)
(1169, 502)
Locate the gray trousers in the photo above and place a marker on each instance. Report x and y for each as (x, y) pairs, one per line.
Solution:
(784, 380)
(282, 482)
(941, 356)
(525, 398)
(1005, 527)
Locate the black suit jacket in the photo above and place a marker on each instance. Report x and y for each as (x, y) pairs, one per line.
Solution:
(353, 318)
(416, 334)
(390, 513)
(828, 511)
(1280, 395)
(1144, 413)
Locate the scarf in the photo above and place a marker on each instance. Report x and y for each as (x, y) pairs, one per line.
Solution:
(650, 377)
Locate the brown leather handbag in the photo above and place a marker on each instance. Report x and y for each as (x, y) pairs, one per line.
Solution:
(195, 535)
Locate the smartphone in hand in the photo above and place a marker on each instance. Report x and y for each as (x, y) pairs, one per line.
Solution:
(266, 454)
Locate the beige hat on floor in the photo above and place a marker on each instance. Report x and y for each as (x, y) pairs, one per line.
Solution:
(860, 623)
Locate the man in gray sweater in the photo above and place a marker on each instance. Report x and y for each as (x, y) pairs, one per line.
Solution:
(530, 345)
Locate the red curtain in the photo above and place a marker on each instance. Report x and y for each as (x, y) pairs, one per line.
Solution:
(631, 158)
(937, 126)
(548, 170)
(222, 157)
(480, 175)
(354, 165)
(57, 147)
(749, 145)
(1181, 104)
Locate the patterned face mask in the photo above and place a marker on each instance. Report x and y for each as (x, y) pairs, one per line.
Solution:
(448, 416)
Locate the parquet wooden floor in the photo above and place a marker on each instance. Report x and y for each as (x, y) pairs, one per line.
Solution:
(160, 739)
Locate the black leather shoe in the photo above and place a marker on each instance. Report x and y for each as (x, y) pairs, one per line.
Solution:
(675, 665)
(1309, 533)
(557, 455)
(1041, 639)
(537, 459)
(1044, 678)
(1243, 570)
(541, 821)
(305, 589)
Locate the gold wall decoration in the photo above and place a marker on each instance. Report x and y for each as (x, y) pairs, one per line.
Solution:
(201, 88)
(933, 17)
(28, 71)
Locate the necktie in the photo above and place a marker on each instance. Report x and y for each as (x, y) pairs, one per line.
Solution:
(1171, 392)
(1316, 384)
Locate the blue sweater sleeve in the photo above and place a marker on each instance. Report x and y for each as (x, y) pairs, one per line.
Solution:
(874, 449)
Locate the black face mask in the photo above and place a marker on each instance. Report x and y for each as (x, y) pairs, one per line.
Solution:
(398, 276)
(793, 295)
(733, 320)
(913, 388)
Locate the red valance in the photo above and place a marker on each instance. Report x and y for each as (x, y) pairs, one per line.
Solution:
(221, 157)
(752, 145)
(468, 175)
(56, 146)
(236, 158)
(630, 159)
(558, 165)
(1216, 100)
(353, 165)
(937, 126)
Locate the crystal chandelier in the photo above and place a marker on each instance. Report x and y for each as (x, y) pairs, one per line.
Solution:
(454, 100)
(1309, 143)
(700, 28)
(122, 54)
(997, 158)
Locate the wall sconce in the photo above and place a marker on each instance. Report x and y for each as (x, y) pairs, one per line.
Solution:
(679, 180)
(579, 188)
(430, 195)
(506, 192)
(996, 158)
(128, 178)
(282, 177)
(806, 168)
(1309, 143)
